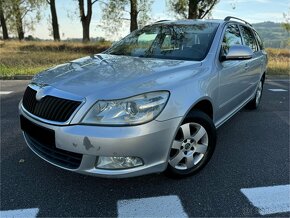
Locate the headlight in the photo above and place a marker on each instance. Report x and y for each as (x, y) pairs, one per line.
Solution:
(130, 111)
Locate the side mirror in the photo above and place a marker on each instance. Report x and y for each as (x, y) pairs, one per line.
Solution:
(238, 52)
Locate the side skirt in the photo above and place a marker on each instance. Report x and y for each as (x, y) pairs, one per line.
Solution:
(233, 112)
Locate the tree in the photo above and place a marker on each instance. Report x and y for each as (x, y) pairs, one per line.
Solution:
(3, 21)
(86, 19)
(54, 21)
(19, 12)
(192, 9)
(133, 15)
(135, 11)
(19, 15)
(286, 23)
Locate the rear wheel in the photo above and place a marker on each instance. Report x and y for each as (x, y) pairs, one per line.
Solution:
(193, 145)
(255, 102)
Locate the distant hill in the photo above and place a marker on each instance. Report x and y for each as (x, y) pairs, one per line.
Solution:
(273, 34)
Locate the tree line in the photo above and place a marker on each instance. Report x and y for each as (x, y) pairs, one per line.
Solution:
(18, 15)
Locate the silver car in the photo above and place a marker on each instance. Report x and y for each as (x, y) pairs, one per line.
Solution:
(150, 103)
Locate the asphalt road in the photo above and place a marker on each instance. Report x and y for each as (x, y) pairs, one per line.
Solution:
(252, 151)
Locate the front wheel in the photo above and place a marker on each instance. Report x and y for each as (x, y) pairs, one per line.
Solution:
(193, 145)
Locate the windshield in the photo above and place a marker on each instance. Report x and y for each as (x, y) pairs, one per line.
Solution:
(179, 42)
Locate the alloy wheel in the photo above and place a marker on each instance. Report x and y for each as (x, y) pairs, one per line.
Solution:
(189, 146)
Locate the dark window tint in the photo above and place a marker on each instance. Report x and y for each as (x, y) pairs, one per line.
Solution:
(260, 42)
(249, 38)
(232, 37)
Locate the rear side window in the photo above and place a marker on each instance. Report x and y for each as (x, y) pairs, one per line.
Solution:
(232, 37)
(249, 38)
(260, 42)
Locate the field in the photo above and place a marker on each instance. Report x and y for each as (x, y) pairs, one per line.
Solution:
(279, 61)
(28, 58)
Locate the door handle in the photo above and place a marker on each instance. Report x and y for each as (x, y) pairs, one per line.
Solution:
(246, 66)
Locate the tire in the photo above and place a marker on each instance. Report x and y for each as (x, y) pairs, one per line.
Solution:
(255, 102)
(192, 146)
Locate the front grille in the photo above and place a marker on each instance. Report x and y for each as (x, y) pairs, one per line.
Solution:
(42, 141)
(50, 107)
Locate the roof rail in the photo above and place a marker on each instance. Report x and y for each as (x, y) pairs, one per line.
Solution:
(230, 17)
(159, 21)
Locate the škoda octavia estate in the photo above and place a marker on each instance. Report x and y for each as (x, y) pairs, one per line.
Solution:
(150, 103)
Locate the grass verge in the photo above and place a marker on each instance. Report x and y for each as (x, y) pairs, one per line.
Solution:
(29, 58)
(279, 61)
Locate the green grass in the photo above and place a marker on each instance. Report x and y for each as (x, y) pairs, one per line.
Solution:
(29, 58)
(12, 71)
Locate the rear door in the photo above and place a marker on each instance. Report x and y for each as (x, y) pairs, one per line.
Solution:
(262, 52)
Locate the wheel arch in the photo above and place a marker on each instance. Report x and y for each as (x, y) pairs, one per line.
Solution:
(204, 105)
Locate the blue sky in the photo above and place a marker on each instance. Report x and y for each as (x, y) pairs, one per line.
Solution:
(70, 27)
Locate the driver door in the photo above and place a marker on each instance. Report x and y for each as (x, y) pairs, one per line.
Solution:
(233, 77)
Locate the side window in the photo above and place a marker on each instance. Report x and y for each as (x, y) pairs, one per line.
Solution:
(166, 44)
(260, 42)
(170, 43)
(249, 38)
(232, 37)
(146, 39)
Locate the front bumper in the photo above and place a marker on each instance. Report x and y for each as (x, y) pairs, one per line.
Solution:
(150, 141)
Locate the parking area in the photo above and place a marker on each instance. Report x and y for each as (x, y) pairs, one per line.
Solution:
(247, 176)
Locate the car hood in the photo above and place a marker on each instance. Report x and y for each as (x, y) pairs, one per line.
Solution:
(110, 76)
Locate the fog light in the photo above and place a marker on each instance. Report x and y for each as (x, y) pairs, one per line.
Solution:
(118, 162)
